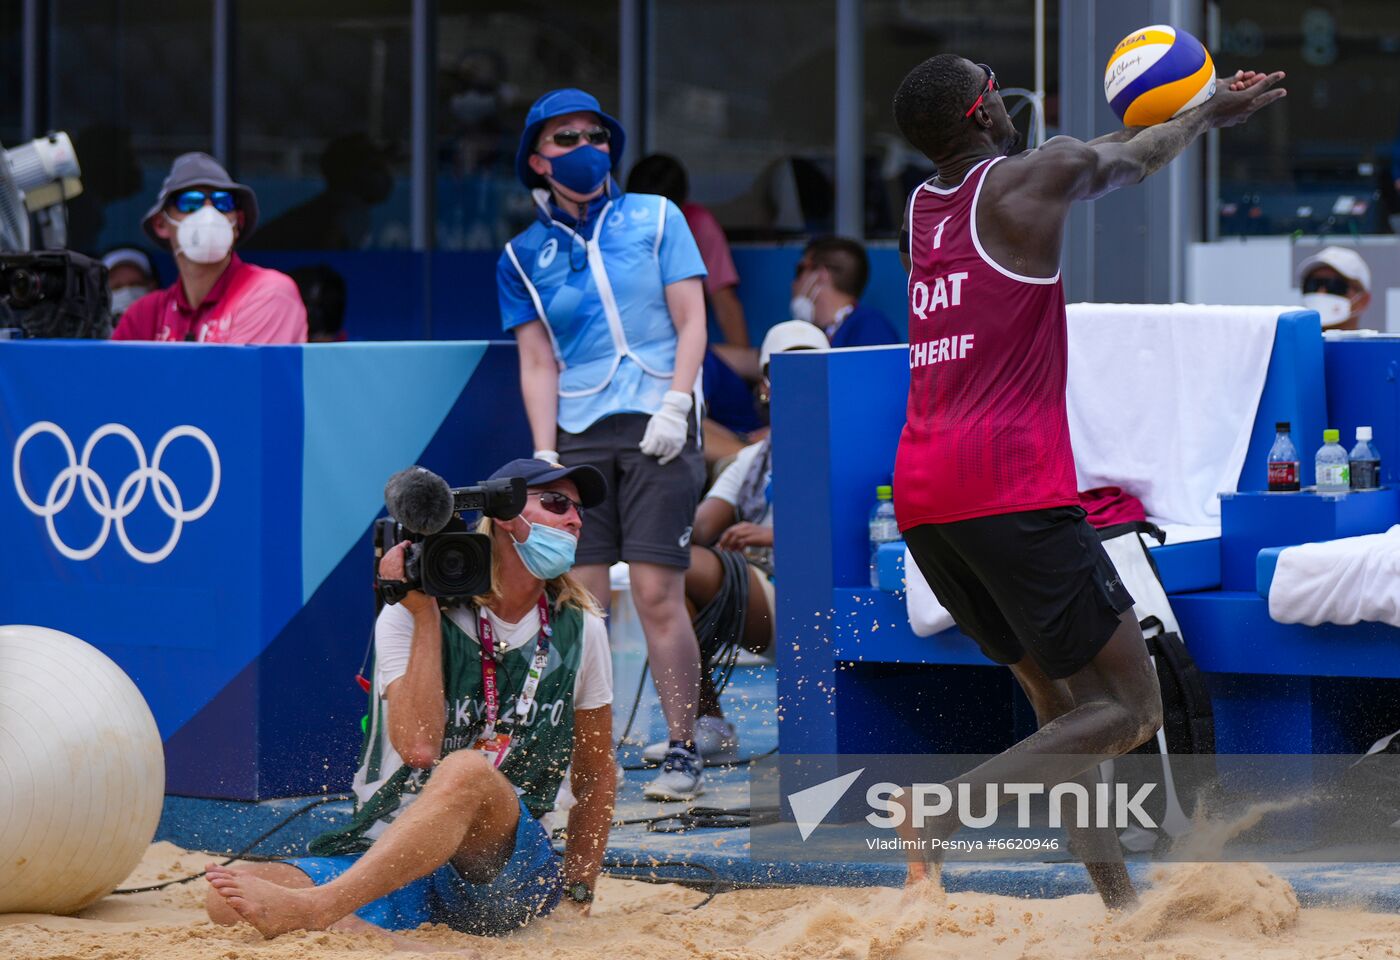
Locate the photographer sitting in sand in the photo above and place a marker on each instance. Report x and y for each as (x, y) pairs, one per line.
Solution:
(465, 750)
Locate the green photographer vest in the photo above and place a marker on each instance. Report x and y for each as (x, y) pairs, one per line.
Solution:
(541, 742)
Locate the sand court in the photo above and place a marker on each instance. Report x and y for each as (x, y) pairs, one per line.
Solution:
(1191, 912)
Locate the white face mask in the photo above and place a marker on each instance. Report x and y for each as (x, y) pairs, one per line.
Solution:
(124, 297)
(1333, 309)
(803, 309)
(205, 236)
(803, 306)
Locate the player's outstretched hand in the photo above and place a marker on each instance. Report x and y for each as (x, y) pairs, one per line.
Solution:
(1244, 79)
(1246, 93)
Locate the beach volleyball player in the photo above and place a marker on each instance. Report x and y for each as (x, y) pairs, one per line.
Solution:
(984, 484)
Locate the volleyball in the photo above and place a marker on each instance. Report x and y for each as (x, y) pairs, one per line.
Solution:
(82, 772)
(1156, 73)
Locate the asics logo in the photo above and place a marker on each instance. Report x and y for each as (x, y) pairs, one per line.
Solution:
(114, 510)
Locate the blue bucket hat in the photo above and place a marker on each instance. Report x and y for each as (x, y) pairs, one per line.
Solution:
(556, 103)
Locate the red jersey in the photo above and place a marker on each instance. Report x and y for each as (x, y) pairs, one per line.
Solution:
(986, 429)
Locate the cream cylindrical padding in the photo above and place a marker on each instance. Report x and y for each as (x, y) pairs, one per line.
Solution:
(82, 772)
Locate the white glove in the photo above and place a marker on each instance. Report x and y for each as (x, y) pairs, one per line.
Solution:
(667, 428)
(548, 456)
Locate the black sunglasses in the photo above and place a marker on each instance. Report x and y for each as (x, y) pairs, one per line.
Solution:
(188, 201)
(1336, 285)
(597, 136)
(991, 85)
(556, 502)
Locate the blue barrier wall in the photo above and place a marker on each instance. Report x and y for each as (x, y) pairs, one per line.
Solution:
(246, 634)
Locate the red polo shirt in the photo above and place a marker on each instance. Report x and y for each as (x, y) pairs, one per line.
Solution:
(247, 304)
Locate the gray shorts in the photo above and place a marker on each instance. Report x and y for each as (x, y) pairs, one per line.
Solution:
(650, 508)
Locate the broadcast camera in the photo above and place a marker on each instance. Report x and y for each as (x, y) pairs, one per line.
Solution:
(46, 292)
(444, 559)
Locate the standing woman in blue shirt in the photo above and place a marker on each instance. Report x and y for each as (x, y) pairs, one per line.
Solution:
(604, 295)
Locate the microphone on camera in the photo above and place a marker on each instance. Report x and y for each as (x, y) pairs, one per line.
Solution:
(419, 499)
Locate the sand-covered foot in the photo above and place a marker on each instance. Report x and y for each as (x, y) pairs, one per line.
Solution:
(272, 909)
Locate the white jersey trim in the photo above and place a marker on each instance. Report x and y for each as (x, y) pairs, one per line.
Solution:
(977, 241)
(909, 221)
(944, 191)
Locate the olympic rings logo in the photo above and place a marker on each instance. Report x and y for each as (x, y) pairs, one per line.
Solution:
(129, 494)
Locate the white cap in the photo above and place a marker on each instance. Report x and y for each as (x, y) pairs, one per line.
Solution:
(1345, 261)
(1363, 434)
(791, 335)
(132, 255)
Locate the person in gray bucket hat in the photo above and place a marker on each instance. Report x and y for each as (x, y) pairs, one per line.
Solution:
(199, 216)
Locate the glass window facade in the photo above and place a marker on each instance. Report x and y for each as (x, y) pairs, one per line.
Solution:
(1328, 162)
(322, 108)
(899, 34)
(130, 82)
(744, 95)
(494, 58)
(11, 71)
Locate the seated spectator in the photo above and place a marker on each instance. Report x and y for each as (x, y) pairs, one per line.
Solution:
(130, 276)
(322, 290)
(729, 585)
(1336, 282)
(199, 216)
(831, 277)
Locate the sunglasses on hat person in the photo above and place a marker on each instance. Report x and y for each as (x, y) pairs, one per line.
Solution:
(556, 502)
(189, 201)
(596, 136)
(1338, 286)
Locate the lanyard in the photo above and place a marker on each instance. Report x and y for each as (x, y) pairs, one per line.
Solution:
(489, 690)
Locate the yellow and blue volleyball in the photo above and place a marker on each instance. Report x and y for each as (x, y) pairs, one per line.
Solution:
(1156, 73)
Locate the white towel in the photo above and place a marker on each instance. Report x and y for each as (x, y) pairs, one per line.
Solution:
(1162, 400)
(1339, 581)
(926, 615)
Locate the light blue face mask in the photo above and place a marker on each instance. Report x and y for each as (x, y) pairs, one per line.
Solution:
(547, 552)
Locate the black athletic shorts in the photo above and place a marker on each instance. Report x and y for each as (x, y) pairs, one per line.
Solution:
(1036, 582)
(650, 508)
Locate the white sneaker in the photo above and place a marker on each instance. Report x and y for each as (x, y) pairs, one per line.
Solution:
(715, 739)
(681, 777)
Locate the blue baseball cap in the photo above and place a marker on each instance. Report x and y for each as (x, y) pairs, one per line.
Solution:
(556, 103)
(592, 487)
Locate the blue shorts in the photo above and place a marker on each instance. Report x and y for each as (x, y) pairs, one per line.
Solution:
(529, 886)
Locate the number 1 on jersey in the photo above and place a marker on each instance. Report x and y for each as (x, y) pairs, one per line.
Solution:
(938, 231)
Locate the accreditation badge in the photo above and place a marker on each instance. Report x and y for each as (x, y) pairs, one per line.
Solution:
(495, 747)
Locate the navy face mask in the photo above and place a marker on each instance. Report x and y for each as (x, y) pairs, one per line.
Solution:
(581, 170)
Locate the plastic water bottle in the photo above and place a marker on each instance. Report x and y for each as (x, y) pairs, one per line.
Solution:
(883, 528)
(1364, 462)
(1283, 460)
(1333, 471)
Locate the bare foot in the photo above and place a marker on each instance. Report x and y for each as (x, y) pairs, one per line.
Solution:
(273, 910)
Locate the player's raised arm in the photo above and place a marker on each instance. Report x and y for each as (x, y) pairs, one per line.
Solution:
(1074, 170)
